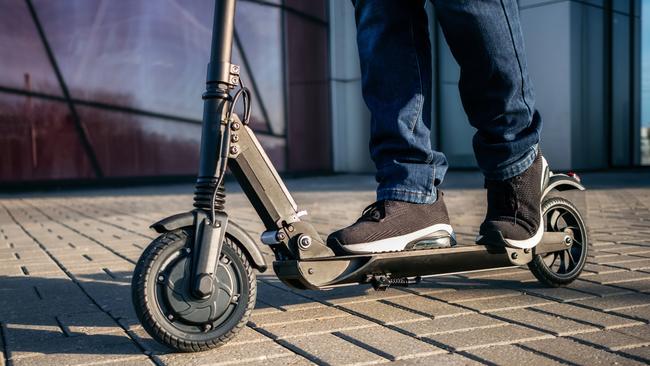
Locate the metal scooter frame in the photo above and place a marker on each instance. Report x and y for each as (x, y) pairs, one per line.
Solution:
(302, 258)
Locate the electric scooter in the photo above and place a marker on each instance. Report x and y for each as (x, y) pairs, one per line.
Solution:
(194, 286)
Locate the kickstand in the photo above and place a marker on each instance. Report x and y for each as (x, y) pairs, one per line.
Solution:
(382, 282)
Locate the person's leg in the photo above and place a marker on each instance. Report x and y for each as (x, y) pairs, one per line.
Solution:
(395, 55)
(486, 40)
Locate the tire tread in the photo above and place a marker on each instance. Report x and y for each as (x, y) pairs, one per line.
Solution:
(144, 307)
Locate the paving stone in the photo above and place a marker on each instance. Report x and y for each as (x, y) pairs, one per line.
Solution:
(281, 361)
(546, 322)
(640, 285)
(89, 323)
(597, 318)
(76, 350)
(640, 354)
(482, 292)
(512, 355)
(389, 343)
(613, 258)
(449, 324)
(614, 339)
(633, 265)
(264, 351)
(84, 359)
(612, 303)
(319, 348)
(597, 289)
(578, 354)
(317, 327)
(486, 337)
(617, 277)
(355, 294)
(562, 294)
(628, 249)
(297, 316)
(641, 331)
(507, 303)
(383, 313)
(601, 268)
(282, 299)
(447, 359)
(427, 307)
(641, 312)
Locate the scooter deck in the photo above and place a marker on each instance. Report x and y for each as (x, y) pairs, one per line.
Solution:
(319, 273)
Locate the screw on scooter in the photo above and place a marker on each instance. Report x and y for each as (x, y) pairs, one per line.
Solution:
(194, 286)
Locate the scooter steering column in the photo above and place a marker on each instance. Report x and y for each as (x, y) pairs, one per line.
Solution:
(210, 219)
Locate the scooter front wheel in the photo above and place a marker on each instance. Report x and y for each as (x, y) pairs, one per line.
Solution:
(171, 314)
(562, 267)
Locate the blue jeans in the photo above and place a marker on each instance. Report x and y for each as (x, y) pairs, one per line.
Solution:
(395, 53)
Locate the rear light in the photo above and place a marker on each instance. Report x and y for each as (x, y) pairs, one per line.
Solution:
(574, 176)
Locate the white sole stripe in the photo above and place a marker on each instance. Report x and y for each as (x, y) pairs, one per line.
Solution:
(397, 243)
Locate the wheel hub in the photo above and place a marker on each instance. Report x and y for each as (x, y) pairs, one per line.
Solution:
(175, 292)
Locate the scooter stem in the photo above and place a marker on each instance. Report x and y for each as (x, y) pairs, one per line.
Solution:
(221, 77)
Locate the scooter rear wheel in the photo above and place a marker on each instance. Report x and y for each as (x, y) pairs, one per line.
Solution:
(167, 310)
(563, 267)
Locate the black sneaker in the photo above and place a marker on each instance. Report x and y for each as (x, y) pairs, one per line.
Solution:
(514, 214)
(387, 226)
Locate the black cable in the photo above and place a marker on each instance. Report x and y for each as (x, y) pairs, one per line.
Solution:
(223, 155)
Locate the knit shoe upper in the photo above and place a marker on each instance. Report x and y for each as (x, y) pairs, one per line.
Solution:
(514, 216)
(396, 225)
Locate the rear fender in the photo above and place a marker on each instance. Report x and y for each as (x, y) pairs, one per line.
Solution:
(562, 182)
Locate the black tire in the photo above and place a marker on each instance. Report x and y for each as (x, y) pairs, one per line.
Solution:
(561, 215)
(160, 283)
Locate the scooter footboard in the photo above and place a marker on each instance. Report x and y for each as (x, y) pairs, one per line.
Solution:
(335, 271)
(320, 273)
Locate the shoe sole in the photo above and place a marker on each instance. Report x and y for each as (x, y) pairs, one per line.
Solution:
(524, 243)
(399, 243)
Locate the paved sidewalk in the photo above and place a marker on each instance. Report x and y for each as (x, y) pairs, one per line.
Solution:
(66, 260)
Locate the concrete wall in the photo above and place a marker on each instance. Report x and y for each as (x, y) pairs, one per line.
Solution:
(350, 116)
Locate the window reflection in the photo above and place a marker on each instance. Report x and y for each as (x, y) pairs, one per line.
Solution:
(147, 145)
(143, 54)
(23, 62)
(259, 29)
(38, 141)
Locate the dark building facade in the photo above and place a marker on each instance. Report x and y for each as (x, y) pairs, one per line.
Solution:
(93, 89)
(96, 89)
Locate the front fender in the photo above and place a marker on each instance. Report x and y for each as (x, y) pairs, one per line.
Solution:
(562, 182)
(186, 219)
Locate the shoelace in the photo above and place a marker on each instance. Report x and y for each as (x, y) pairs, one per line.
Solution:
(373, 211)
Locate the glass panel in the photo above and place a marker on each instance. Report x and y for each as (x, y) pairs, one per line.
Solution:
(129, 145)
(645, 82)
(259, 29)
(257, 121)
(24, 63)
(38, 141)
(143, 54)
(153, 55)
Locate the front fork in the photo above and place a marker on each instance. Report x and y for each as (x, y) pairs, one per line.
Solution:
(226, 139)
(291, 237)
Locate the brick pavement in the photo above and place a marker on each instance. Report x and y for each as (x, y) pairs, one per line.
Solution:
(66, 260)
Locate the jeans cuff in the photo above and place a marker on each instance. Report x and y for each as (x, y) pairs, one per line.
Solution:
(396, 194)
(514, 169)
